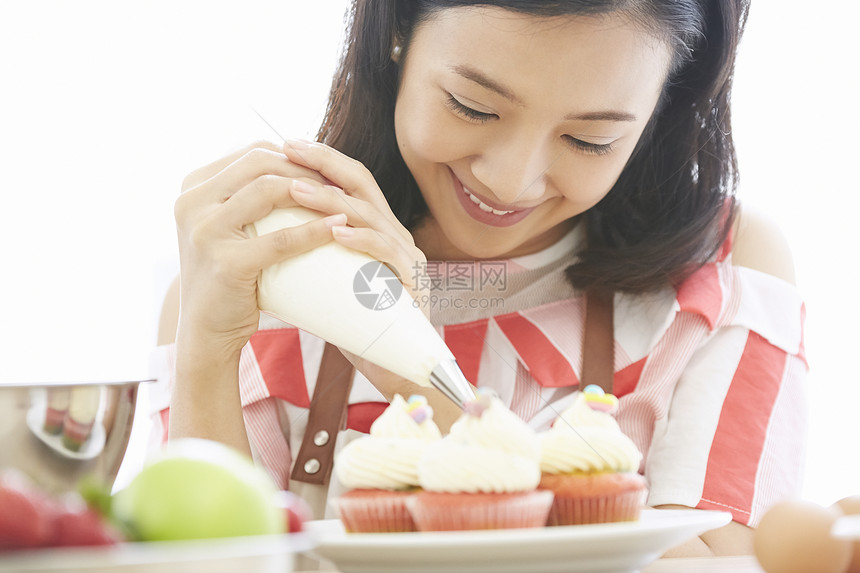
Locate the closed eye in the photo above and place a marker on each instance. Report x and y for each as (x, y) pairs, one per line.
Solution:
(588, 147)
(482, 117)
(467, 112)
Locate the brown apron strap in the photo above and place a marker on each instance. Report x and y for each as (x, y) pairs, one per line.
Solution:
(598, 344)
(326, 417)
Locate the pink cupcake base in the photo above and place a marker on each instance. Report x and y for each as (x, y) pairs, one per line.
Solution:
(597, 498)
(75, 433)
(436, 511)
(54, 420)
(375, 511)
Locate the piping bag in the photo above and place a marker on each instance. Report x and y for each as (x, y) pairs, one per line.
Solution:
(357, 303)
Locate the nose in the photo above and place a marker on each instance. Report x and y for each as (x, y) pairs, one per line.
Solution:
(515, 169)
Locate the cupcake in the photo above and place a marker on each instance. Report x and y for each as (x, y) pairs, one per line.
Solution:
(380, 469)
(482, 475)
(55, 411)
(590, 465)
(84, 404)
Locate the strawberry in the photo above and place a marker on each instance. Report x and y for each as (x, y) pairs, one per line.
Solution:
(296, 511)
(25, 513)
(77, 525)
(29, 517)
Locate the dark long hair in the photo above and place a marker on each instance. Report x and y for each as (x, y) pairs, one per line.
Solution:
(674, 203)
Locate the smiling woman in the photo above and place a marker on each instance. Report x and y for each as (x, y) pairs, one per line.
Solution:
(102, 122)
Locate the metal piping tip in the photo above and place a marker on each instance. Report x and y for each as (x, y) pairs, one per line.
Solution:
(449, 379)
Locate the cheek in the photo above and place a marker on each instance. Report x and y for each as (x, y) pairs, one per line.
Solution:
(587, 180)
(424, 133)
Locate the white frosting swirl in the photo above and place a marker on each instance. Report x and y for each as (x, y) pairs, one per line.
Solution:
(388, 457)
(494, 452)
(585, 440)
(396, 422)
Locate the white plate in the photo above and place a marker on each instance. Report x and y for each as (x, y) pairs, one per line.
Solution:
(252, 554)
(847, 527)
(610, 547)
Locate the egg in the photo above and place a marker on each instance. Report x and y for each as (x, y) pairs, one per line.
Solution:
(794, 537)
(851, 506)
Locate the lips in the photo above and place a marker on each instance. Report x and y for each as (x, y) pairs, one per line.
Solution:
(479, 209)
(483, 206)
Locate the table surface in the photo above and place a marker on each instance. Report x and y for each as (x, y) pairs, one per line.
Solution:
(741, 564)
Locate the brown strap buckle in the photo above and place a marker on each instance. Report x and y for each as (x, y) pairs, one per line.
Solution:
(326, 417)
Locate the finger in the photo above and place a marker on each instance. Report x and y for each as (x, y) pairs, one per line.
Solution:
(345, 172)
(265, 250)
(398, 242)
(403, 259)
(200, 175)
(244, 170)
(257, 199)
(331, 199)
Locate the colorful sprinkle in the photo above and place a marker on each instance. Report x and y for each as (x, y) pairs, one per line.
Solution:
(599, 400)
(418, 408)
(479, 405)
(420, 415)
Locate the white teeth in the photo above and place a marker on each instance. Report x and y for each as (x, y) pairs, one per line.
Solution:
(483, 206)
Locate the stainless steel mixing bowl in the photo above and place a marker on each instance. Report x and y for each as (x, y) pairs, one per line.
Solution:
(58, 433)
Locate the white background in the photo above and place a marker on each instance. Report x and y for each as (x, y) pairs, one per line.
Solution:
(105, 106)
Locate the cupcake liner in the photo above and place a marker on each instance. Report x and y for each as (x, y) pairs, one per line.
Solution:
(55, 411)
(75, 433)
(436, 511)
(587, 499)
(375, 511)
(54, 420)
(607, 509)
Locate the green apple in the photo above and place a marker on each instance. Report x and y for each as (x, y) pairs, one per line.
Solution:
(199, 489)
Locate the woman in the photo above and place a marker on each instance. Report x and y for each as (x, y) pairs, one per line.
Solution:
(585, 146)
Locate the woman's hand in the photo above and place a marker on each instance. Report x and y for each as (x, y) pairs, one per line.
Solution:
(219, 266)
(351, 189)
(219, 261)
(373, 229)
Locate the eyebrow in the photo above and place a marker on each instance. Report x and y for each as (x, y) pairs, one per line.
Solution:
(608, 115)
(474, 75)
(482, 80)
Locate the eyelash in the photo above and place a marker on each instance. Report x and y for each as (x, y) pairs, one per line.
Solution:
(587, 147)
(482, 117)
(469, 113)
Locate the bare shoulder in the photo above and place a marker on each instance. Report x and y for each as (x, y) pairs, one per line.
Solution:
(169, 318)
(760, 244)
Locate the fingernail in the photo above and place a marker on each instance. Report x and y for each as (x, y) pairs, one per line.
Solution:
(297, 143)
(335, 220)
(303, 187)
(342, 231)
